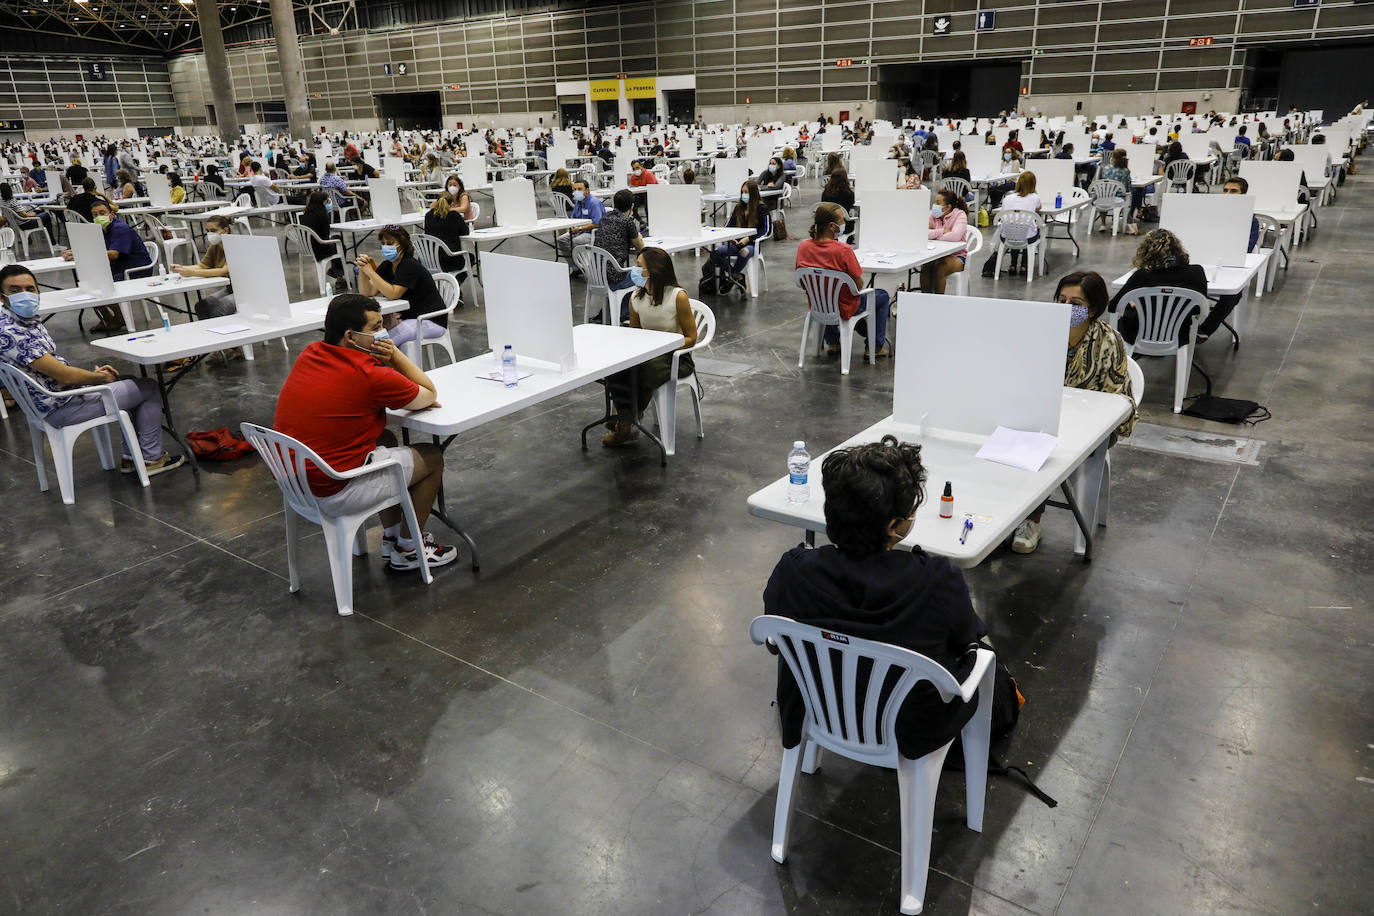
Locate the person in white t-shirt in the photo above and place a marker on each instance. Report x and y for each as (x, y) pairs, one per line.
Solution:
(265, 193)
(1023, 197)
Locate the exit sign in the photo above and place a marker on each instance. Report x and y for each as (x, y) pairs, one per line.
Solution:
(1200, 42)
(845, 62)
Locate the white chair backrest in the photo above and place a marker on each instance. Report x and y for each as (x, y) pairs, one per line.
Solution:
(1015, 227)
(448, 290)
(476, 211)
(822, 288)
(431, 250)
(7, 238)
(595, 264)
(562, 206)
(1162, 311)
(842, 681)
(1106, 193)
(1137, 375)
(958, 185)
(1180, 171)
(706, 323)
(243, 200)
(73, 217)
(22, 387)
(973, 237)
(286, 458)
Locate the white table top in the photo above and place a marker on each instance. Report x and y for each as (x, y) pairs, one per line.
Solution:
(710, 235)
(899, 262)
(501, 233)
(196, 338)
(726, 196)
(188, 205)
(373, 224)
(234, 212)
(1000, 497)
(1286, 215)
(41, 266)
(469, 401)
(1222, 281)
(61, 300)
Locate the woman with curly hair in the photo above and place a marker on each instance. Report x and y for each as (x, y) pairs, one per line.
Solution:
(860, 585)
(1161, 260)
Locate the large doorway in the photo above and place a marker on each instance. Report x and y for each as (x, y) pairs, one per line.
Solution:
(1332, 78)
(645, 111)
(574, 114)
(607, 113)
(411, 110)
(956, 89)
(682, 105)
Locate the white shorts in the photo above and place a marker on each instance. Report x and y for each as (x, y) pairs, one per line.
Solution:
(363, 492)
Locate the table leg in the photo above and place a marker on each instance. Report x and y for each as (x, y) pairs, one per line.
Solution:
(610, 413)
(164, 388)
(440, 510)
(1084, 527)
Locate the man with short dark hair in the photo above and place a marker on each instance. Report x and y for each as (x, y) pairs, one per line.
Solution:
(26, 345)
(83, 201)
(335, 401)
(265, 192)
(618, 233)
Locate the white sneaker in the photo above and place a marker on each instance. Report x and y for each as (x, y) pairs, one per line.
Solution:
(1027, 536)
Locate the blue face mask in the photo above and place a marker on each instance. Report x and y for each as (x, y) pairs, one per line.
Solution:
(579, 196)
(381, 334)
(391, 252)
(1078, 314)
(25, 305)
(937, 211)
(637, 276)
(329, 206)
(744, 198)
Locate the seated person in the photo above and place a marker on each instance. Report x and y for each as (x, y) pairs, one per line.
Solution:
(658, 304)
(335, 400)
(773, 177)
(445, 223)
(641, 176)
(1022, 197)
(838, 190)
(265, 191)
(861, 586)
(28, 219)
(586, 205)
(126, 251)
(178, 190)
(561, 183)
(1120, 172)
(462, 201)
(1241, 139)
(318, 217)
(212, 176)
(26, 345)
(823, 249)
(908, 176)
(212, 264)
(748, 213)
(948, 223)
(1096, 361)
(400, 275)
(619, 234)
(127, 187)
(1159, 261)
(332, 182)
(81, 203)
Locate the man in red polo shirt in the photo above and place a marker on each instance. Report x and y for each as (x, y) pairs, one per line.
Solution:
(335, 402)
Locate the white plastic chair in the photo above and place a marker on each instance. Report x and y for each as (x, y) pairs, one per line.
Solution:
(1179, 174)
(957, 185)
(957, 284)
(1162, 311)
(155, 229)
(822, 288)
(449, 292)
(1014, 233)
(756, 269)
(596, 265)
(344, 535)
(23, 387)
(849, 714)
(476, 213)
(1110, 197)
(665, 395)
(1095, 474)
(432, 252)
(16, 222)
(562, 207)
(305, 240)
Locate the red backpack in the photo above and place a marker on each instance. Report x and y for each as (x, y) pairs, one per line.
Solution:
(218, 445)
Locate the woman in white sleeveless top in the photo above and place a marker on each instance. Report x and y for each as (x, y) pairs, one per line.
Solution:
(657, 304)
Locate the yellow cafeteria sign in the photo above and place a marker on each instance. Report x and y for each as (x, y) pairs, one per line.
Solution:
(640, 87)
(605, 89)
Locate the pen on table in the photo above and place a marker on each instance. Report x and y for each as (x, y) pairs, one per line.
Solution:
(141, 336)
(968, 526)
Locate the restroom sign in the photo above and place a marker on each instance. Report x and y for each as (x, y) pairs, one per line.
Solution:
(986, 21)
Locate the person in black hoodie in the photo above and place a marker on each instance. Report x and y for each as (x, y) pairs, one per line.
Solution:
(860, 586)
(1160, 260)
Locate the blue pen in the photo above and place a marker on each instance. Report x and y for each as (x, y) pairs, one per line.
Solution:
(140, 336)
(968, 526)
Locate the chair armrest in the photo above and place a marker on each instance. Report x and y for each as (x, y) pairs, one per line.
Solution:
(969, 687)
(104, 392)
(868, 291)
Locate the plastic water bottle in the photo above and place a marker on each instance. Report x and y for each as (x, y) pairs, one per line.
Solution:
(798, 467)
(508, 373)
(1059, 200)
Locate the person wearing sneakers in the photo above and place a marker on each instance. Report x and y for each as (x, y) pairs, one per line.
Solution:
(1096, 361)
(335, 399)
(26, 345)
(824, 249)
(948, 223)
(657, 304)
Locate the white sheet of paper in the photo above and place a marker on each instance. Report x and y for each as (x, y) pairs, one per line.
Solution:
(1018, 448)
(229, 329)
(82, 297)
(496, 376)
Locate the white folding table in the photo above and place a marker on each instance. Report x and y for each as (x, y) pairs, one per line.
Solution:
(502, 234)
(469, 401)
(125, 293)
(997, 496)
(874, 262)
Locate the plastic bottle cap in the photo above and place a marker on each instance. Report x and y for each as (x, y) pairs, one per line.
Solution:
(799, 444)
(949, 488)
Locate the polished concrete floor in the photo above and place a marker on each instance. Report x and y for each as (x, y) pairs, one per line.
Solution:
(584, 726)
